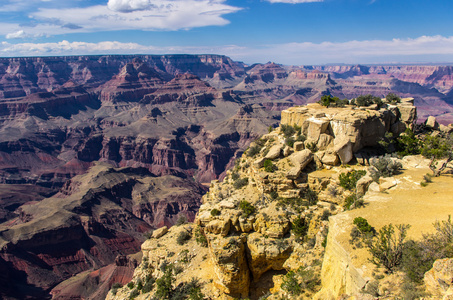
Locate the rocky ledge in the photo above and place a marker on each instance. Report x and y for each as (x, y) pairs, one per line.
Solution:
(265, 226)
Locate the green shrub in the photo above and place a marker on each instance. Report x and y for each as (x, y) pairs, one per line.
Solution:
(353, 201)
(408, 143)
(325, 215)
(247, 208)
(349, 180)
(115, 287)
(270, 129)
(139, 284)
(300, 138)
(182, 219)
(290, 284)
(388, 246)
(215, 212)
(384, 167)
(435, 148)
(165, 283)
(200, 238)
(240, 183)
(367, 100)
(290, 141)
(310, 195)
(235, 176)
(134, 294)
(299, 227)
(273, 194)
(287, 130)
(254, 150)
(312, 147)
(392, 98)
(131, 285)
(363, 226)
(269, 166)
(328, 100)
(419, 256)
(149, 284)
(183, 237)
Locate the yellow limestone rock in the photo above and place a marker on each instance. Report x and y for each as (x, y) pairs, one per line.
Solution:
(230, 265)
(265, 254)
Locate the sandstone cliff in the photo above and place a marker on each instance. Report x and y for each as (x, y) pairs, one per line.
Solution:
(266, 223)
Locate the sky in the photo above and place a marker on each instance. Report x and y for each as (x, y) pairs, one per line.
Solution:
(290, 32)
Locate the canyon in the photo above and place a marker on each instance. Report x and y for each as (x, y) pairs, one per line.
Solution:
(95, 151)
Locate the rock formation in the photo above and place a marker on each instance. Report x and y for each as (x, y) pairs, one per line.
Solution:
(267, 218)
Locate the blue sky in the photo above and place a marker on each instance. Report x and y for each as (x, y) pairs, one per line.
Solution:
(292, 32)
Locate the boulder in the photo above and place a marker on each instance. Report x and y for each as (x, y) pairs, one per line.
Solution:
(316, 127)
(363, 184)
(408, 114)
(287, 151)
(330, 159)
(266, 254)
(259, 163)
(439, 280)
(445, 129)
(300, 160)
(274, 152)
(343, 149)
(432, 122)
(298, 146)
(388, 184)
(221, 227)
(158, 233)
(374, 187)
(324, 141)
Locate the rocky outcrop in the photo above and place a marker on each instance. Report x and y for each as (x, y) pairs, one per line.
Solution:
(439, 279)
(267, 217)
(344, 131)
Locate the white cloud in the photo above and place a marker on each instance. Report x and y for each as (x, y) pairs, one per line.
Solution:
(124, 15)
(129, 5)
(17, 35)
(422, 49)
(294, 1)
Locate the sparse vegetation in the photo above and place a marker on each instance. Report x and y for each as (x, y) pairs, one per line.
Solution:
(311, 146)
(330, 101)
(299, 227)
(349, 180)
(115, 287)
(419, 256)
(182, 219)
(363, 226)
(240, 183)
(287, 130)
(269, 166)
(200, 238)
(367, 100)
(353, 201)
(303, 280)
(388, 246)
(408, 143)
(392, 98)
(246, 208)
(183, 237)
(290, 284)
(215, 212)
(384, 167)
(310, 195)
(131, 285)
(437, 148)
